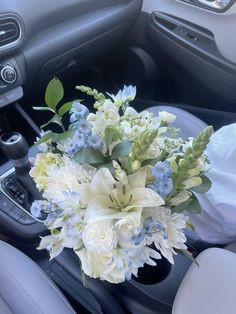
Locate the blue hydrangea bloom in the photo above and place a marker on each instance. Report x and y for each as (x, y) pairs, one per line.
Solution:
(163, 183)
(78, 112)
(147, 228)
(95, 142)
(161, 170)
(85, 127)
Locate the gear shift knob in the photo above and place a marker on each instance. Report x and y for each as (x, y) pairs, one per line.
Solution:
(15, 147)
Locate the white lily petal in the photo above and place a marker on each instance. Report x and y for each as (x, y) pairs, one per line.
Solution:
(102, 182)
(138, 179)
(145, 197)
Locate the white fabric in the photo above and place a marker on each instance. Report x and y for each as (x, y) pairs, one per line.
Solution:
(217, 222)
(210, 287)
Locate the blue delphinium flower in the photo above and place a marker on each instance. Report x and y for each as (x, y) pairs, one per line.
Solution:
(147, 228)
(163, 183)
(78, 112)
(94, 142)
(161, 170)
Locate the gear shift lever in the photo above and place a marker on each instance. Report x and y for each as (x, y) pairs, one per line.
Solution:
(15, 147)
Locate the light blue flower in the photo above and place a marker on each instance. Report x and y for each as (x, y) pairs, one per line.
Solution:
(148, 225)
(137, 239)
(95, 142)
(161, 170)
(163, 187)
(147, 228)
(126, 95)
(163, 183)
(78, 112)
(85, 127)
(39, 207)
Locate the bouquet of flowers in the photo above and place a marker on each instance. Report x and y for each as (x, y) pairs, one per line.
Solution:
(115, 183)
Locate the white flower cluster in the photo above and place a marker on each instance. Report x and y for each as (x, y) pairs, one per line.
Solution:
(113, 187)
(102, 221)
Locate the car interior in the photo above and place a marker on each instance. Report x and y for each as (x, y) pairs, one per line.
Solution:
(181, 56)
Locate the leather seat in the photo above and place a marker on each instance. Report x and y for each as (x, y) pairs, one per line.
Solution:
(210, 287)
(25, 288)
(189, 124)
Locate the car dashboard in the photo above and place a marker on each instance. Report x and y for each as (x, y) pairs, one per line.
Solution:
(41, 39)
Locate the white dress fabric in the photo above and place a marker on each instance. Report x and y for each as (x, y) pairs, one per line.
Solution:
(217, 221)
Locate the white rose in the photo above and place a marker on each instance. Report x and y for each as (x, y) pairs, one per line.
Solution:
(167, 117)
(126, 228)
(100, 237)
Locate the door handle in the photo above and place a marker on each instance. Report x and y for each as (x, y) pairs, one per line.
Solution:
(215, 4)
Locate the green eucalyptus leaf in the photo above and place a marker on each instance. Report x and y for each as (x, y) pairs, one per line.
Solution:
(204, 187)
(89, 156)
(65, 108)
(182, 207)
(54, 93)
(112, 134)
(57, 137)
(44, 138)
(108, 165)
(194, 207)
(55, 119)
(121, 150)
(54, 137)
(44, 109)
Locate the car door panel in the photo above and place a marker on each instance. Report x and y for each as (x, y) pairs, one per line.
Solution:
(197, 39)
(221, 25)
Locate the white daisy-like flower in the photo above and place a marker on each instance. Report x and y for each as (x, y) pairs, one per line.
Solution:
(168, 234)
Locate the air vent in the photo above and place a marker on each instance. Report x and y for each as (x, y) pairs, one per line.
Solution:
(10, 31)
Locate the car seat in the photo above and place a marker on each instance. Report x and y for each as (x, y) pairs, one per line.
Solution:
(25, 288)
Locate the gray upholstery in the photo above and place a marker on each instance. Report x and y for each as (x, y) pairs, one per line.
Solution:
(189, 124)
(24, 288)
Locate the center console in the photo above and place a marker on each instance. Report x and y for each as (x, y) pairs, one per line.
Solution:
(17, 190)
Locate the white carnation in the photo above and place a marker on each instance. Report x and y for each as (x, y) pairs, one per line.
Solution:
(100, 237)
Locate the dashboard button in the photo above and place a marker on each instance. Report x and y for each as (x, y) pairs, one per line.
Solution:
(8, 74)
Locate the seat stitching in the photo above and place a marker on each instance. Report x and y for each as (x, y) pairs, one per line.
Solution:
(36, 267)
(3, 269)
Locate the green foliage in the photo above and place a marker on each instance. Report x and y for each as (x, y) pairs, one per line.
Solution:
(54, 93)
(121, 150)
(56, 119)
(65, 108)
(89, 156)
(141, 145)
(112, 134)
(192, 205)
(99, 97)
(53, 137)
(204, 187)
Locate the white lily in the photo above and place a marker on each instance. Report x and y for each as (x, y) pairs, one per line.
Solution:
(113, 199)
